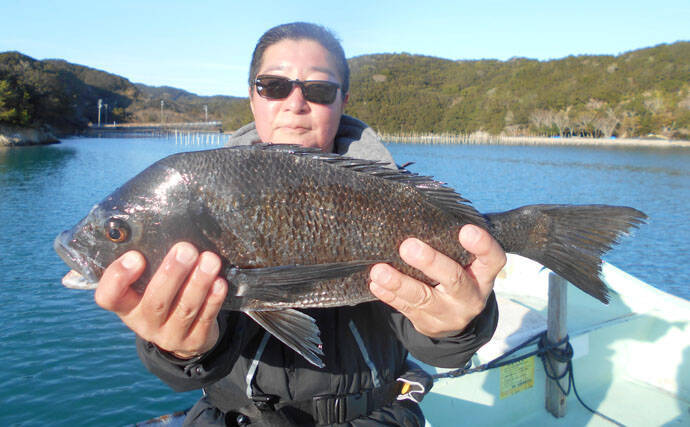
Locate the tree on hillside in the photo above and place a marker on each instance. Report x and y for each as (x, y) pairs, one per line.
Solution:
(541, 120)
(606, 123)
(15, 107)
(584, 123)
(562, 121)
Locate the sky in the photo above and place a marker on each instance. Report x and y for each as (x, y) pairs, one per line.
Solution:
(205, 47)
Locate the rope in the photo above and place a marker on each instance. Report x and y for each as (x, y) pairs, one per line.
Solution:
(547, 351)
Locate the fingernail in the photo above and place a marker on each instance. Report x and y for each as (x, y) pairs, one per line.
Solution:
(208, 264)
(380, 275)
(218, 286)
(130, 261)
(184, 254)
(469, 234)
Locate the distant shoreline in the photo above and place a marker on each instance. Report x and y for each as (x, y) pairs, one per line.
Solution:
(13, 136)
(486, 139)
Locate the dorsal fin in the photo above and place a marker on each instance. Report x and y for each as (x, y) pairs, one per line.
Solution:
(436, 192)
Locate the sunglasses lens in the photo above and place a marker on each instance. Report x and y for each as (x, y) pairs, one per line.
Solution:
(320, 92)
(273, 87)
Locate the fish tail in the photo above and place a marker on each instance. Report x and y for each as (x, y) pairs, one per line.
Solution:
(567, 239)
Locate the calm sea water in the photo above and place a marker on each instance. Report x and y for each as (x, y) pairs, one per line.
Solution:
(67, 362)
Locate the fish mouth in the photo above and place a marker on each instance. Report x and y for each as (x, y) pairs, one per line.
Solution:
(85, 273)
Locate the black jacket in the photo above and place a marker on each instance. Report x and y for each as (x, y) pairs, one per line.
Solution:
(386, 336)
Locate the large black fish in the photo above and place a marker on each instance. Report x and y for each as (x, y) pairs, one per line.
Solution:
(298, 228)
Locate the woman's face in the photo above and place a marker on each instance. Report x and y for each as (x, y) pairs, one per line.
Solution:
(294, 120)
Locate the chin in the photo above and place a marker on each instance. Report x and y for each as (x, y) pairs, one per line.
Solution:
(296, 140)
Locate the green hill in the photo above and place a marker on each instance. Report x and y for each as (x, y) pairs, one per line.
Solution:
(65, 96)
(635, 93)
(646, 91)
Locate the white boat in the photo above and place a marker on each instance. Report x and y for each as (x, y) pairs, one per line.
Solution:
(631, 359)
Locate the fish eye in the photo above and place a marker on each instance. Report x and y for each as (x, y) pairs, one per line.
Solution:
(116, 230)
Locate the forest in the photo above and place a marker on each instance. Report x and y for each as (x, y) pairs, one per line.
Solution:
(638, 93)
(65, 97)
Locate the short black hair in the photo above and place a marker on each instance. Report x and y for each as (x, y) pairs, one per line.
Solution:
(302, 31)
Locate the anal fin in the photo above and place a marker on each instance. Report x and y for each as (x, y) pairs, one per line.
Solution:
(295, 329)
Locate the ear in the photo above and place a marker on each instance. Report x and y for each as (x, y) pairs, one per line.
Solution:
(344, 103)
(251, 99)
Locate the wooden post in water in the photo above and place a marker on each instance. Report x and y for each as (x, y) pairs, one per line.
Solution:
(556, 331)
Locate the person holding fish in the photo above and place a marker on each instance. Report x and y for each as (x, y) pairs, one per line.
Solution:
(298, 90)
(290, 282)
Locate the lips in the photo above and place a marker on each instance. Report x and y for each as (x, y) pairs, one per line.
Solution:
(74, 280)
(84, 274)
(292, 128)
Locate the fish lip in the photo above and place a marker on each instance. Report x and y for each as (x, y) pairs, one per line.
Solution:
(77, 262)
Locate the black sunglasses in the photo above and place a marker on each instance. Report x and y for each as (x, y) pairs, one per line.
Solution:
(276, 87)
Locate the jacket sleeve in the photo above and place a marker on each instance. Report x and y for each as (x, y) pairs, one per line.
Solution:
(451, 352)
(185, 375)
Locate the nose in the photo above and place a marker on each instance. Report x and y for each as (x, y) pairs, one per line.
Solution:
(295, 100)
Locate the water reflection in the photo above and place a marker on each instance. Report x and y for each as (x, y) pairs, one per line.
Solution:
(597, 166)
(22, 163)
(666, 161)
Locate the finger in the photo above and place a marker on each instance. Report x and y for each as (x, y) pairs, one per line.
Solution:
(490, 255)
(165, 284)
(206, 321)
(398, 290)
(114, 292)
(194, 293)
(435, 265)
(428, 314)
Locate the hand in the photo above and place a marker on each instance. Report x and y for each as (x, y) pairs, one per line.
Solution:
(180, 305)
(446, 309)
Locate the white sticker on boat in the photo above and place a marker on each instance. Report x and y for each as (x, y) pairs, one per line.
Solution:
(580, 346)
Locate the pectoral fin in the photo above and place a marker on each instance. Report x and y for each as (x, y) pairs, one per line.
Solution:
(275, 284)
(295, 329)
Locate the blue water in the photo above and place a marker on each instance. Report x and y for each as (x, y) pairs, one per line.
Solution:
(65, 361)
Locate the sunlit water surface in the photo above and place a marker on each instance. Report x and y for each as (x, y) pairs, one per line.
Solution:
(67, 362)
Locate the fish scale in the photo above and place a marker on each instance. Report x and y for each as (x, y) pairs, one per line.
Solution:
(359, 231)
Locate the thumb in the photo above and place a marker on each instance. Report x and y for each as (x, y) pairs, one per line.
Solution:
(114, 292)
(490, 257)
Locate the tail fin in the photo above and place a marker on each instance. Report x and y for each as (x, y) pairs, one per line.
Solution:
(567, 239)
